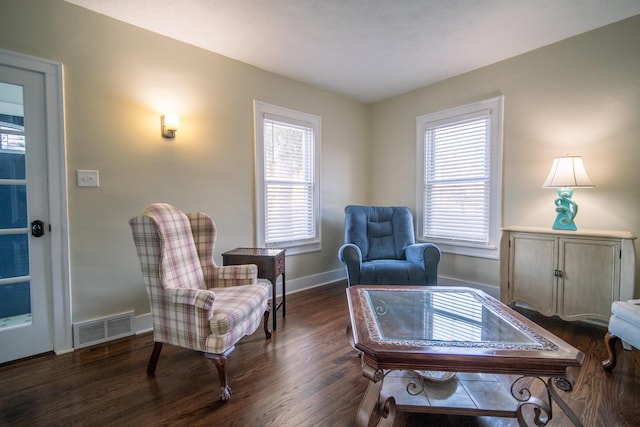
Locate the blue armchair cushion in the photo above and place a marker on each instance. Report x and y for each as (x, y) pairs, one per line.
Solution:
(380, 232)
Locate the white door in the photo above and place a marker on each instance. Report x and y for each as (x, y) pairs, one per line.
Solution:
(26, 326)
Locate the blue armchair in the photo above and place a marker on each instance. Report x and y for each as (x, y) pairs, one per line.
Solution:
(380, 248)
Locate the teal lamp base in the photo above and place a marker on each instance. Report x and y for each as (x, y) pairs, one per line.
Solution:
(567, 210)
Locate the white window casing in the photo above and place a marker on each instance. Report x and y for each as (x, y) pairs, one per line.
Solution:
(459, 164)
(287, 154)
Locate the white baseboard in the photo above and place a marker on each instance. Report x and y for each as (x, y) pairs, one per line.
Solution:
(144, 322)
(308, 282)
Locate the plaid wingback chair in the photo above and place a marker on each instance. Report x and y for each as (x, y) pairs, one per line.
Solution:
(195, 303)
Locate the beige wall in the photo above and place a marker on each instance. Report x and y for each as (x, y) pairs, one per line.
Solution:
(118, 81)
(580, 96)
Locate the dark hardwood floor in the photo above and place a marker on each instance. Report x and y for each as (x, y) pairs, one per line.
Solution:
(306, 375)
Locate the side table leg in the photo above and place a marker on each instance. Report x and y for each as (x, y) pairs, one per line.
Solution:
(284, 297)
(274, 303)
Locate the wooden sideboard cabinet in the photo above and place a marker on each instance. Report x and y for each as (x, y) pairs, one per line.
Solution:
(573, 274)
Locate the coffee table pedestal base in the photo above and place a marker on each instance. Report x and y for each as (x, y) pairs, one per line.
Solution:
(473, 394)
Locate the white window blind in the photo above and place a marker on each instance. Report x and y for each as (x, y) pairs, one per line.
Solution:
(287, 178)
(459, 179)
(289, 181)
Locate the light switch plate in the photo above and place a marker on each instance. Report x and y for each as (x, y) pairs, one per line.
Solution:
(88, 178)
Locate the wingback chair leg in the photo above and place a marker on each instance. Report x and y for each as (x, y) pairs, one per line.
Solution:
(267, 332)
(220, 361)
(610, 341)
(153, 360)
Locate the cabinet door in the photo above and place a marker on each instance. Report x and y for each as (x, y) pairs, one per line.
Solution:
(531, 271)
(590, 276)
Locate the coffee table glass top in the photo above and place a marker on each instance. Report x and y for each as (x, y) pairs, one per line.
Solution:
(455, 329)
(440, 316)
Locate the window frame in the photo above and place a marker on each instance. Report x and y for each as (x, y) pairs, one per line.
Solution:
(296, 118)
(490, 249)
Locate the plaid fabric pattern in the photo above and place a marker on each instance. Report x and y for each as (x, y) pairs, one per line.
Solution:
(239, 311)
(180, 266)
(185, 313)
(203, 229)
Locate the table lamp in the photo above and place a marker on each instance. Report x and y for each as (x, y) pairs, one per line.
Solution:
(567, 173)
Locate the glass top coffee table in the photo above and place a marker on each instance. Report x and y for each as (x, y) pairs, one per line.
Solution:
(455, 350)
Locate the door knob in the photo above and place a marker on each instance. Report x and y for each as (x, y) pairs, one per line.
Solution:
(37, 228)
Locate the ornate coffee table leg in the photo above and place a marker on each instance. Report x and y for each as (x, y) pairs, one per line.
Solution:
(564, 385)
(543, 409)
(373, 401)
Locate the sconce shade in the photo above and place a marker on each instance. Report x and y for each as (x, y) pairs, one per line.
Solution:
(568, 172)
(170, 123)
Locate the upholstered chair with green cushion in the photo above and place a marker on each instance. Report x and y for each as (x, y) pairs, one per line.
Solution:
(380, 248)
(195, 304)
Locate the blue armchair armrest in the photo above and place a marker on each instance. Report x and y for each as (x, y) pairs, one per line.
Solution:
(351, 256)
(427, 255)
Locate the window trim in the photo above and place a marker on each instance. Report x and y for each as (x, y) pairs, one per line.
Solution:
(492, 249)
(264, 110)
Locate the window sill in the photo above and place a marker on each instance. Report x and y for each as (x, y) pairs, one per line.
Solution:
(298, 249)
(487, 252)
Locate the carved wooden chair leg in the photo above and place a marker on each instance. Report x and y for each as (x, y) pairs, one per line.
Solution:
(267, 332)
(610, 341)
(153, 360)
(220, 361)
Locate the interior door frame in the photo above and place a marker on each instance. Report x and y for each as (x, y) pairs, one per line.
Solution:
(57, 189)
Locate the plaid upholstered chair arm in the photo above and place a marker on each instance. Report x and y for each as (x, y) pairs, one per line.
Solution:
(200, 298)
(185, 321)
(233, 275)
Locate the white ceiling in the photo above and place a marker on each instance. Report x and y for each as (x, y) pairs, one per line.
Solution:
(367, 49)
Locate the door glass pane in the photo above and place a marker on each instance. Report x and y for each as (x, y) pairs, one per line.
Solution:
(12, 164)
(15, 286)
(15, 304)
(14, 255)
(13, 206)
(12, 141)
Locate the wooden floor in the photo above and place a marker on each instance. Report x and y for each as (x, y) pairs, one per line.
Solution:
(306, 375)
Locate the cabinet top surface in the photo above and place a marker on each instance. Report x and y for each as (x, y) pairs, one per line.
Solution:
(580, 233)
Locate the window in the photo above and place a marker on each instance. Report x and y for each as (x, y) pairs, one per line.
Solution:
(459, 186)
(287, 179)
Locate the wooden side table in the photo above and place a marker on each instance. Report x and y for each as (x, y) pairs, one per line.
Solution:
(270, 262)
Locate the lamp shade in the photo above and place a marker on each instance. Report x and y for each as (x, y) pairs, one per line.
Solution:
(568, 172)
(171, 121)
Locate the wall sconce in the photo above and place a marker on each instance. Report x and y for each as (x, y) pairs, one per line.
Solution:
(169, 125)
(566, 174)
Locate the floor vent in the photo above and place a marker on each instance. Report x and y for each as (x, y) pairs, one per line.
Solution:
(101, 330)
